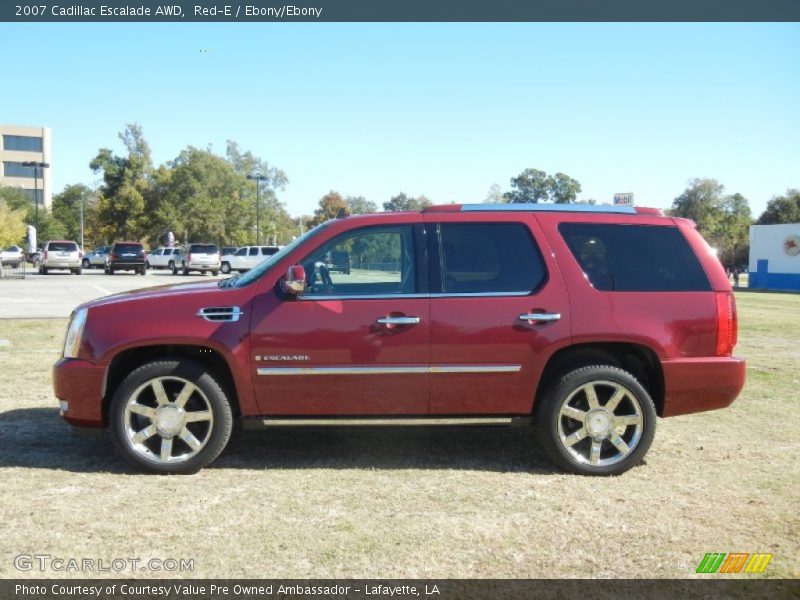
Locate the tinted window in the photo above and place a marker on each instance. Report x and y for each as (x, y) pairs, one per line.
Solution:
(269, 250)
(253, 251)
(369, 261)
(127, 248)
(167, 251)
(484, 258)
(25, 143)
(241, 252)
(635, 258)
(202, 249)
(62, 247)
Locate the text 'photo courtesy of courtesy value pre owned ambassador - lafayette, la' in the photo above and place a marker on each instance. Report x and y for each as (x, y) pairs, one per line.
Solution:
(587, 322)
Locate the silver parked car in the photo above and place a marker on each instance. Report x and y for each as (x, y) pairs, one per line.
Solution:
(11, 256)
(61, 254)
(196, 257)
(96, 258)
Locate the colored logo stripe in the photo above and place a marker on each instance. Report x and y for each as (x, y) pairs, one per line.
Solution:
(735, 562)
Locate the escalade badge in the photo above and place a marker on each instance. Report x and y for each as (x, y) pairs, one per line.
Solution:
(283, 357)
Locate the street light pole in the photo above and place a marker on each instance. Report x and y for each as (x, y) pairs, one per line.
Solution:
(37, 166)
(82, 246)
(258, 179)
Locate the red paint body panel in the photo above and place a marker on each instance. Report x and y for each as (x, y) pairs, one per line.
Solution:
(698, 384)
(81, 384)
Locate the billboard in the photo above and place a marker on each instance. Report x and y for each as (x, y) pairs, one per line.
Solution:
(624, 199)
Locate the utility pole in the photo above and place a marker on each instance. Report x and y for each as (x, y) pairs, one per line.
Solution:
(258, 179)
(37, 166)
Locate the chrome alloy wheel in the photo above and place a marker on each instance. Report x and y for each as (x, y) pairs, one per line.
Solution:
(168, 420)
(600, 423)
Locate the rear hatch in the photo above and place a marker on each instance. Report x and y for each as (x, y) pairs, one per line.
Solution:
(62, 252)
(127, 253)
(203, 254)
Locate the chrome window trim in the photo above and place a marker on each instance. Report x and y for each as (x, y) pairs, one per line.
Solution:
(361, 296)
(412, 296)
(388, 370)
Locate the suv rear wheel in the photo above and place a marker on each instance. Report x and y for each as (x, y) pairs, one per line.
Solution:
(596, 420)
(171, 416)
(225, 268)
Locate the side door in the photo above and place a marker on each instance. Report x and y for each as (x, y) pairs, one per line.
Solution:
(499, 308)
(353, 343)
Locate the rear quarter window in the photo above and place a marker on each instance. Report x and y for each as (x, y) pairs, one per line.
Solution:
(635, 258)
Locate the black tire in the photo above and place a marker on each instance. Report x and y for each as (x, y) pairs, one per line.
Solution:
(86, 264)
(225, 268)
(110, 270)
(77, 271)
(556, 430)
(43, 270)
(185, 270)
(214, 273)
(217, 434)
(142, 270)
(174, 268)
(147, 265)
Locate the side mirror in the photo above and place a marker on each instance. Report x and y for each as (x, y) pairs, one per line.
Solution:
(295, 281)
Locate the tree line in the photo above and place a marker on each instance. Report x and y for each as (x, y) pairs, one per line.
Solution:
(202, 196)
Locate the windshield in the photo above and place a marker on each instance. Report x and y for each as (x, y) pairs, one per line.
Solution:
(256, 272)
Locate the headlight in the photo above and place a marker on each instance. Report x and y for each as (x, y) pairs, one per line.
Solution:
(72, 344)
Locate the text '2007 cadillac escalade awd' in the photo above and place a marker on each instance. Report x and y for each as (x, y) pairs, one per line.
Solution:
(588, 321)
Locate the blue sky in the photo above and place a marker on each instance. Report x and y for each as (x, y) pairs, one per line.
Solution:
(440, 109)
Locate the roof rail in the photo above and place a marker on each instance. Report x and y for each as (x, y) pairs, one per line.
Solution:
(540, 207)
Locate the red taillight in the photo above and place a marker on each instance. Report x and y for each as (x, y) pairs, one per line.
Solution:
(113, 256)
(727, 325)
(190, 258)
(45, 254)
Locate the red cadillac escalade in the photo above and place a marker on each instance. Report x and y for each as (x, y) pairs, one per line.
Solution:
(586, 321)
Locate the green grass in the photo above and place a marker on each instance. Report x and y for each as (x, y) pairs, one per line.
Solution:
(396, 502)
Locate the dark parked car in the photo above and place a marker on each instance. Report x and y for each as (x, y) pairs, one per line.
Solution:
(587, 321)
(126, 256)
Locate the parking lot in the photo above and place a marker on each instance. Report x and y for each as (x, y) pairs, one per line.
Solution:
(58, 293)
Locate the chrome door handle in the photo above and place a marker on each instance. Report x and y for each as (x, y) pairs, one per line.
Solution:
(544, 317)
(398, 320)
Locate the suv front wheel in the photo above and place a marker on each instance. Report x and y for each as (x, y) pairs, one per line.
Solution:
(597, 420)
(171, 416)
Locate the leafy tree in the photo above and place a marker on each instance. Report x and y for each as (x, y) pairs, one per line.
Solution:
(402, 202)
(66, 210)
(358, 205)
(49, 228)
(782, 209)
(331, 206)
(563, 188)
(723, 220)
(12, 224)
(495, 195)
(198, 198)
(126, 181)
(532, 185)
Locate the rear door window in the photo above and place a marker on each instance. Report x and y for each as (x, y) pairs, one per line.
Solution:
(489, 258)
(635, 258)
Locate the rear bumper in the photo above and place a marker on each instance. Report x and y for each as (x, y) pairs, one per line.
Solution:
(126, 265)
(698, 384)
(203, 266)
(80, 384)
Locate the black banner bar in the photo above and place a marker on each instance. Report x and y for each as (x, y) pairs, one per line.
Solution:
(398, 10)
(391, 589)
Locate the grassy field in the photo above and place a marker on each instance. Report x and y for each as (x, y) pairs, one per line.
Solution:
(413, 503)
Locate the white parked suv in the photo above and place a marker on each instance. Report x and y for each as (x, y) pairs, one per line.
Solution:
(247, 257)
(11, 256)
(196, 257)
(61, 254)
(161, 258)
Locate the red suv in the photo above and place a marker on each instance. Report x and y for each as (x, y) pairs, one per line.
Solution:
(586, 321)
